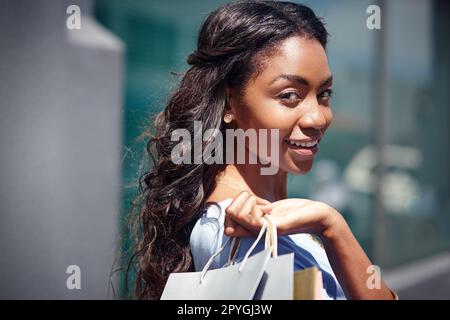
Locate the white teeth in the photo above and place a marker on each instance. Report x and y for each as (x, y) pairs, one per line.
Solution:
(307, 144)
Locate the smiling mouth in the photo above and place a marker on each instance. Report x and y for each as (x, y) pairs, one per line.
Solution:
(303, 149)
(311, 144)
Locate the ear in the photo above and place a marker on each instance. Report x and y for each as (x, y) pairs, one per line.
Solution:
(230, 105)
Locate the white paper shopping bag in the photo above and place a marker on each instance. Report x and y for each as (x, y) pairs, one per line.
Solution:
(259, 277)
(278, 277)
(238, 281)
(279, 281)
(227, 283)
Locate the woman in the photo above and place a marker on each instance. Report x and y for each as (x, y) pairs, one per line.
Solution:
(258, 65)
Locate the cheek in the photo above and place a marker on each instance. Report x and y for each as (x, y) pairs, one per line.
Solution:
(260, 114)
(328, 114)
(267, 115)
(273, 117)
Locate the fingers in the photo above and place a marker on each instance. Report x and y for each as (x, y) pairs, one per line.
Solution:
(233, 209)
(239, 232)
(229, 226)
(262, 201)
(266, 208)
(237, 202)
(232, 229)
(243, 215)
(244, 195)
(247, 207)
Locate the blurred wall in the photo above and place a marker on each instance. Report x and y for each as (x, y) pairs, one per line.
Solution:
(60, 137)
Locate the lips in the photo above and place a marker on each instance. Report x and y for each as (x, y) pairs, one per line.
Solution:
(304, 144)
(303, 147)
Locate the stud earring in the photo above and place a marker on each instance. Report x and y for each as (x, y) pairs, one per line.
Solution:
(227, 118)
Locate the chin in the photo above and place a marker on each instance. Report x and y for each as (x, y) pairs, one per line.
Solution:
(300, 168)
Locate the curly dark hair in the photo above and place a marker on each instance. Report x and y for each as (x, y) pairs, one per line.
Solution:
(232, 44)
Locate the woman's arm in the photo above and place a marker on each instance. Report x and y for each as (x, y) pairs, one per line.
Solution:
(350, 263)
(348, 260)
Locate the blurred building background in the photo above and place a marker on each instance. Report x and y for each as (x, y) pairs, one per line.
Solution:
(60, 147)
(384, 160)
(390, 94)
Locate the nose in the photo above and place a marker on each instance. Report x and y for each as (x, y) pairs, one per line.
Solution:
(313, 118)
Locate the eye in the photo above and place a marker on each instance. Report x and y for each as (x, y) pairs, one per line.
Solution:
(326, 94)
(290, 96)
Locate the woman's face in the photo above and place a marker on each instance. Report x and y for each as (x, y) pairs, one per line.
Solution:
(292, 94)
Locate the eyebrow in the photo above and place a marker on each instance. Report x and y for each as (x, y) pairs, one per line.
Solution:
(300, 80)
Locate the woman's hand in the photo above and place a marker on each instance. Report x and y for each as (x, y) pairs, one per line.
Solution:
(244, 216)
(303, 216)
(347, 258)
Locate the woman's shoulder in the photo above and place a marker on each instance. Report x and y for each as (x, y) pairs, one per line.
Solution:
(214, 211)
(207, 235)
(211, 219)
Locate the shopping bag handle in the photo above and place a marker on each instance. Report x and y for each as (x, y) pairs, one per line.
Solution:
(271, 236)
(271, 240)
(211, 260)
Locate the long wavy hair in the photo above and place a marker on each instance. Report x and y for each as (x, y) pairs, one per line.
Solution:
(232, 44)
